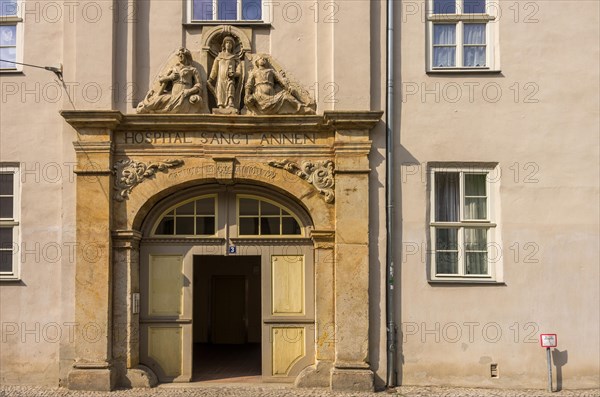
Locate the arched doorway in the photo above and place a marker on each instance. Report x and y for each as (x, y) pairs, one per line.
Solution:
(226, 271)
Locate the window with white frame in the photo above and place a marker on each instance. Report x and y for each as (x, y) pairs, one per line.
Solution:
(462, 35)
(9, 222)
(463, 228)
(231, 11)
(10, 33)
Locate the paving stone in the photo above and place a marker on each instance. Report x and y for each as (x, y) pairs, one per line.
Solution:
(274, 390)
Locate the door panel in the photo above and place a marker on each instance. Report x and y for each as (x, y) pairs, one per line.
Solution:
(165, 348)
(165, 285)
(288, 348)
(165, 318)
(288, 322)
(287, 283)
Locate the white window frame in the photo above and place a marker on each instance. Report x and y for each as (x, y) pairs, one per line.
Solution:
(15, 20)
(494, 264)
(266, 14)
(489, 18)
(13, 222)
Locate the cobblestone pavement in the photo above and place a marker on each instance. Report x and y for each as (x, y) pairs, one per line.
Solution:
(274, 390)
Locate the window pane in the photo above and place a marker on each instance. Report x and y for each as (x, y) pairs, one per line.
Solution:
(8, 35)
(248, 206)
(475, 185)
(186, 209)
(6, 207)
(8, 54)
(227, 9)
(249, 226)
(290, 226)
(444, 33)
(268, 209)
(269, 226)
(444, 6)
(6, 184)
(444, 57)
(6, 238)
(446, 262)
(205, 206)
(446, 239)
(166, 226)
(475, 239)
(6, 258)
(475, 208)
(184, 226)
(205, 225)
(203, 10)
(474, 56)
(251, 10)
(474, 33)
(474, 7)
(8, 7)
(447, 196)
(476, 263)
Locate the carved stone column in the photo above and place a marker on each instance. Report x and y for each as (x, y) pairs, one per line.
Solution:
(92, 369)
(352, 145)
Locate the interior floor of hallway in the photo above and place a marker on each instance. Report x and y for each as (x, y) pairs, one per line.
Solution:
(227, 363)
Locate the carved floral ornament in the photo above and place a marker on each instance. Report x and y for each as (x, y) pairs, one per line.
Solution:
(320, 174)
(130, 173)
(238, 82)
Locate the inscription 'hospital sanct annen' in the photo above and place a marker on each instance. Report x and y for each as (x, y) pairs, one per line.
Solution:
(218, 138)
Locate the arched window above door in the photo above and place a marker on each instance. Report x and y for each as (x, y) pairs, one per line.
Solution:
(260, 217)
(218, 213)
(195, 217)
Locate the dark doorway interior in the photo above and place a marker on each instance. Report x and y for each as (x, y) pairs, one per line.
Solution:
(227, 319)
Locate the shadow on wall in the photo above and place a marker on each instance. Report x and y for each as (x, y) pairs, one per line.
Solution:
(560, 359)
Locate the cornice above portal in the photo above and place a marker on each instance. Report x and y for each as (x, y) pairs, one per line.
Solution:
(87, 120)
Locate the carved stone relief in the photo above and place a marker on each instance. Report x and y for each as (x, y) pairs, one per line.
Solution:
(239, 82)
(177, 89)
(320, 174)
(130, 173)
(268, 91)
(226, 78)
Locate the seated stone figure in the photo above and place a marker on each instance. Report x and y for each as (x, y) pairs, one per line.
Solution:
(177, 89)
(268, 92)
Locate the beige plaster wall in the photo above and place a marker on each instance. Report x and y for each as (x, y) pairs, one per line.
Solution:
(558, 135)
(547, 151)
(36, 313)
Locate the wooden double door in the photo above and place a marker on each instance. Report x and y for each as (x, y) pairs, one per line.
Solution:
(189, 297)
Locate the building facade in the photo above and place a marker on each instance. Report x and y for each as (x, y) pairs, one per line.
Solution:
(199, 173)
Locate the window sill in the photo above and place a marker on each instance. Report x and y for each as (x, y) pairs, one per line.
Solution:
(9, 279)
(466, 282)
(11, 72)
(464, 71)
(234, 23)
(10, 19)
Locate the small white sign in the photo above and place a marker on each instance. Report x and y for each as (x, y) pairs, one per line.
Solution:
(548, 340)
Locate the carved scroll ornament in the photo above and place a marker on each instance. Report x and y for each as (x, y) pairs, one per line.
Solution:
(319, 174)
(130, 173)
